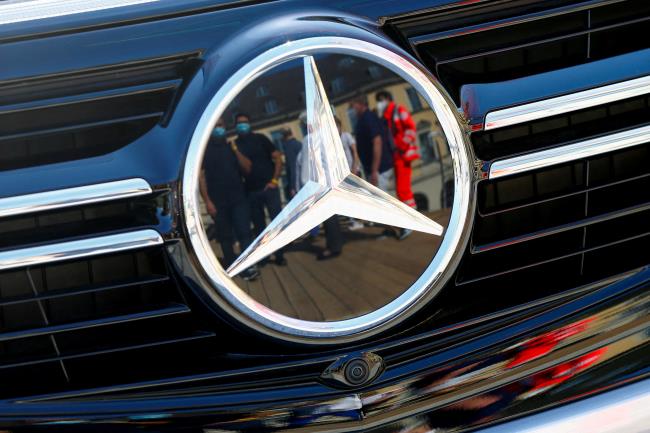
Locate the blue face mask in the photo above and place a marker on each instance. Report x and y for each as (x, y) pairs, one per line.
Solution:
(219, 132)
(243, 128)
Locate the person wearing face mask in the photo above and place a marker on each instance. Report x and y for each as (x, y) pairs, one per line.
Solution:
(403, 131)
(222, 189)
(262, 181)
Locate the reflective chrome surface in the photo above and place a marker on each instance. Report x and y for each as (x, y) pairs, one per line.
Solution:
(569, 152)
(374, 280)
(28, 10)
(620, 410)
(567, 103)
(331, 188)
(68, 250)
(81, 195)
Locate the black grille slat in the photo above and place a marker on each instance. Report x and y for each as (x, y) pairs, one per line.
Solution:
(557, 258)
(562, 130)
(107, 321)
(79, 314)
(83, 290)
(559, 229)
(560, 212)
(551, 216)
(81, 114)
(85, 112)
(518, 46)
(111, 350)
(105, 78)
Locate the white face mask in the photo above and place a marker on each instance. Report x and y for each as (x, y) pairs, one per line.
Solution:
(381, 106)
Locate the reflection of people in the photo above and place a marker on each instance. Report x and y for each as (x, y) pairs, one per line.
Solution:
(222, 190)
(292, 148)
(350, 148)
(351, 154)
(373, 144)
(262, 184)
(402, 127)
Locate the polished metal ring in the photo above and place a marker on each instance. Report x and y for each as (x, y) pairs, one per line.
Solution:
(238, 304)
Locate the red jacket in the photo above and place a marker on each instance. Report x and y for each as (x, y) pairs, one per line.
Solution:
(402, 127)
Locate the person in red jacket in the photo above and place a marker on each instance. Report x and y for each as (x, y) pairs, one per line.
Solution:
(403, 131)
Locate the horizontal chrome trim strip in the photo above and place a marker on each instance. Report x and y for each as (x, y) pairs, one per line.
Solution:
(569, 152)
(77, 249)
(62, 198)
(20, 11)
(624, 409)
(567, 103)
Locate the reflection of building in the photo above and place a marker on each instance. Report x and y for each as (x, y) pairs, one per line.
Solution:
(272, 109)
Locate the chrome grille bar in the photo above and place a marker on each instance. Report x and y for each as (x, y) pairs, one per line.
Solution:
(567, 103)
(569, 152)
(604, 411)
(29, 10)
(56, 252)
(67, 197)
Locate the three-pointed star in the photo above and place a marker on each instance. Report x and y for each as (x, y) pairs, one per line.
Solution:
(331, 189)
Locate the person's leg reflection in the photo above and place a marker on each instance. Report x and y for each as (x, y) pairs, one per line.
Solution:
(334, 238)
(256, 207)
(241, 223)
(274, 206)
(224, 231)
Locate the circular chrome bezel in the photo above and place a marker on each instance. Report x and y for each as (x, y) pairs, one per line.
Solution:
(239, 304)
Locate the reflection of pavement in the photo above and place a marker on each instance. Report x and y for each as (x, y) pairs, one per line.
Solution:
(368, 274)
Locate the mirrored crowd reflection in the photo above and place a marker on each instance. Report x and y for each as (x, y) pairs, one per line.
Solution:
(253, 166)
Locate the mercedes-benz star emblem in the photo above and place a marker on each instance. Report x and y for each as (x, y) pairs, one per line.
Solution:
(327, 190)
(331, 190)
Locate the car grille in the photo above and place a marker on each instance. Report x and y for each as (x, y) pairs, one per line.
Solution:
(80, 114)
(93, 309)
(556, 98)
(517, 39)
(87, 295)
(86, 313)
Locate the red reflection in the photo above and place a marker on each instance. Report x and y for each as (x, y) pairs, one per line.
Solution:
(545, 343)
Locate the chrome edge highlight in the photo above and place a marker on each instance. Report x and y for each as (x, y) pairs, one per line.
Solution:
(18, 12)
(567, 103)
(76, 196)
(624, 409)
(56, 252)
(569, 152)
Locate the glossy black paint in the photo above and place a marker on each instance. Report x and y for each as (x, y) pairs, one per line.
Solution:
(446, 388)
(420, 387)
(479, 99)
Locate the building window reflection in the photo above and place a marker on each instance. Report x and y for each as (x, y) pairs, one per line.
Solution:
(346, 63)
(427, 148)
(414, 99)
(352, 116)
(338, 85)
(271, 106)
(262, 91)
(374, 71)
(276, 137)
